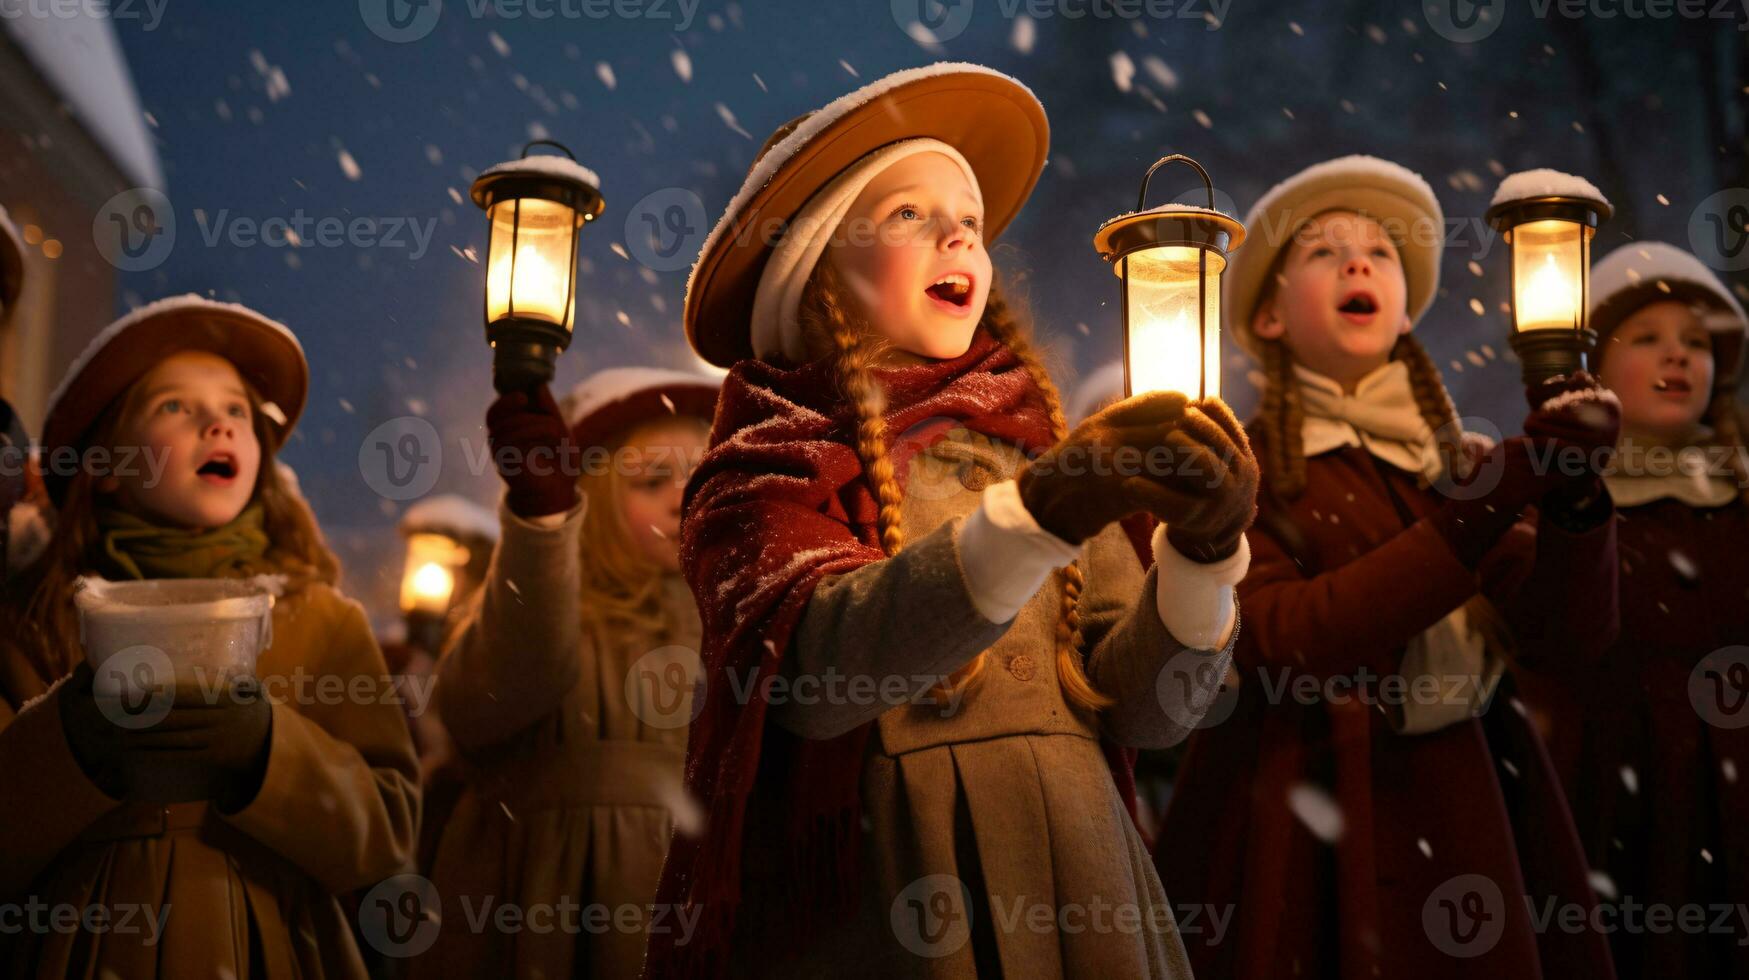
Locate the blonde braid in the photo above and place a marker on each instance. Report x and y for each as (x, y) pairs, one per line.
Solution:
(1284, 457)
(1079, 691)
(1434, 401)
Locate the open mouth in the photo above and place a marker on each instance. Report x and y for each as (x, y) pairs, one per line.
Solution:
(219, 468)
(1358, 305)
(953, 290)
(1673, 386)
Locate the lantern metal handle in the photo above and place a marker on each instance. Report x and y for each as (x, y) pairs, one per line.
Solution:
(555, 144)
(1208, 185)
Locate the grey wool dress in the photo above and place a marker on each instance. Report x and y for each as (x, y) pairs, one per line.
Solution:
(994, 839)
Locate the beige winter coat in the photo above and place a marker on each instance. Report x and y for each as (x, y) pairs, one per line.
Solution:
(574, 753)
(249, 894)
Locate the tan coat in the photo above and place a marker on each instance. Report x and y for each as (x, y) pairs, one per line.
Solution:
(1007, 796)
(249, 894)
(574, 754)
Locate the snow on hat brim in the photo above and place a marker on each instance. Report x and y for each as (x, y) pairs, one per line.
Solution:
(994, 121)
(11, 265)
(264, 352)
(604, 405)
(1635, 275)
(1388, 193)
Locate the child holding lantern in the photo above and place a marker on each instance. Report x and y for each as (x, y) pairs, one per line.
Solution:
(568, 684)
(1649, 736)
(1356, 842)
(226, 828)
(893, 501)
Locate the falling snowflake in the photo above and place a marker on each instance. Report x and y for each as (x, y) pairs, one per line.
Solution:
(1602, 884)
(349, 166)
(1024, 35)
(728, 119)
(499, 44)
(1123, 71)
(682, 64)
(1317, 811)
(604, 71)
(1630, 779)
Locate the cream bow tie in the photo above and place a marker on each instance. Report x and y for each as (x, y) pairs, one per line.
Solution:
(1380, 417)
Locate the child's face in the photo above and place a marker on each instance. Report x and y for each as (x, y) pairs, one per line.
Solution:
(1340, 302)
(192, 412)
(1659, 362)
(662, 455)
(911, 251)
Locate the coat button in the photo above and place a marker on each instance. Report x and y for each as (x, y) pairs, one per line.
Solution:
(974, 477)
(1022, 666)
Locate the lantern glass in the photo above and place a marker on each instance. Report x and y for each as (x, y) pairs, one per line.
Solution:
(1174, 320)
(1549, 261)
(531, 260)
(429, 579)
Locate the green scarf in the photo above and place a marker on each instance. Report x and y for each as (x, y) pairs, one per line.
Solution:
(136, 548)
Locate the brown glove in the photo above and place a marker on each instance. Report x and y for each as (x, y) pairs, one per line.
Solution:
(1155, 453)
(1210, 515)
(207, 747)
(1590, 423)
(95, 740)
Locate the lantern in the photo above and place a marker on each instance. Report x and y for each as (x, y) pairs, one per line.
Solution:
(428, 581)
(1169, 261)
(535, 207)
(1548, 219)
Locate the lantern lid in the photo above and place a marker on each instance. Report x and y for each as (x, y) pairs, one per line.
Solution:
(1172, 223)
(1532, 194)
(553, 178)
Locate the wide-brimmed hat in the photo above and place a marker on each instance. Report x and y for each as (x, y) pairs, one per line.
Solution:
(604, 405)
(994, 121)
(1388, 193)
(263, 351)
(1644, 272)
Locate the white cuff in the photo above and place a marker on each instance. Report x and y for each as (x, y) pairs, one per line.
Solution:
(1005, 555)
(1196, 599)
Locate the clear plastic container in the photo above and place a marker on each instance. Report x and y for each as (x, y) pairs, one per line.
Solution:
(208, 630)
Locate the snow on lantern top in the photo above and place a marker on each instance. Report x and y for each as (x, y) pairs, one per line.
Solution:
(1545, 183)
(452, 515)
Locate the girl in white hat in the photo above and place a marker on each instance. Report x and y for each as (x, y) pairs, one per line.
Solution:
(1648, 736)
(1337, 803)
(927, 639)
(568, 684)
(217, 838)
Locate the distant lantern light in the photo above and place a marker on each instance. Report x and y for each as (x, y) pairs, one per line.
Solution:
(1548, 219)
(1169, 260)
(428, 581)
(535, 207)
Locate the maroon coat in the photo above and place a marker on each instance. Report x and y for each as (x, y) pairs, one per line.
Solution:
(1475, 798)
(1651, 714)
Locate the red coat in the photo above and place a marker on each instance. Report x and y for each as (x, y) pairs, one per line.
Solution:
(1475, 798)
(1649, 713)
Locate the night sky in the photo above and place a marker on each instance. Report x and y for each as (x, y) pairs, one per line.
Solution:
(265, 111)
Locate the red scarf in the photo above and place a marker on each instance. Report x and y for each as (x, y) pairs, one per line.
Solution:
(777, 503)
